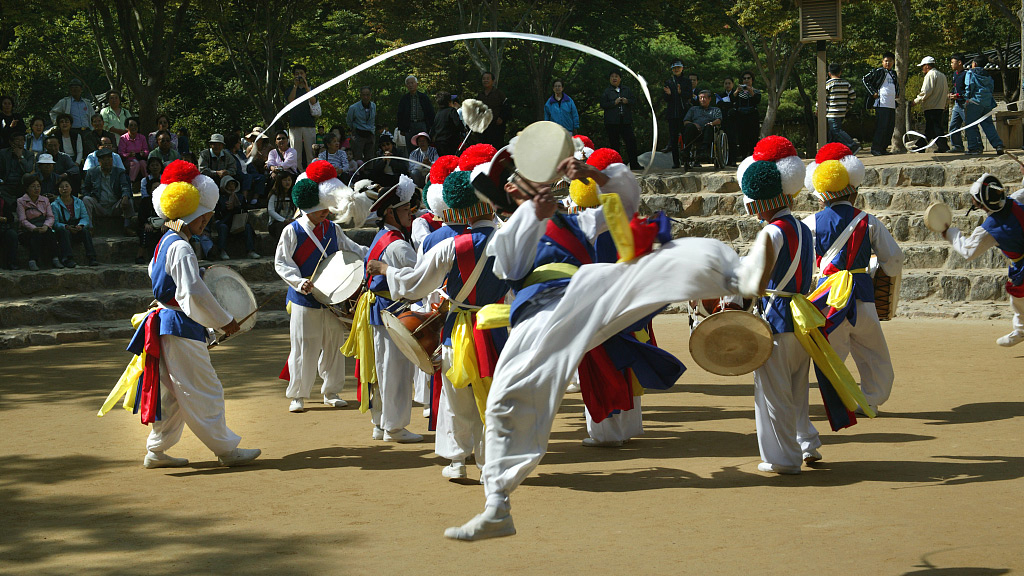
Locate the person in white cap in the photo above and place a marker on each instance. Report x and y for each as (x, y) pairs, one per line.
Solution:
(1002, 228)
(215, 161)
(932, 99)
(844, 240)
(314, 332)
(383, 372)
(179, 385)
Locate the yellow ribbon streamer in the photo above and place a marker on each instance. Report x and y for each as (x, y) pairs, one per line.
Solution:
(807, 321)
(360, 345)
(618, 225)
(127, 384)
(839, 286)
(494, 316)
(465, 369)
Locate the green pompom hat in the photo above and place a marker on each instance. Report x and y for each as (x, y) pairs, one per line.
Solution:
(305, 194)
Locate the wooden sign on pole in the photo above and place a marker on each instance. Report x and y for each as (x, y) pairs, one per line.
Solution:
(821, 21)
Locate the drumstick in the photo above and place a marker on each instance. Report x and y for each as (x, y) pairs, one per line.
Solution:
(242, 321)
(322, 254)
(1015, 159)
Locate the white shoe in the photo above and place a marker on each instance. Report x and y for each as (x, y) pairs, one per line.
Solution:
(426, 412)
(253, 255)
(454, 470)
(1011, 339)
(239, 457)
(161, 460)
(402, 436)
(224, 256)
(296, 405)
(492, 523)
(860, 411)
(334, 400)
(590, 442)
(573, 388)
(378, 433)
(766, 467)
(811, 456)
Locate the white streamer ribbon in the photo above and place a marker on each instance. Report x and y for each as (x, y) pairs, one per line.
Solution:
(479, 36)
(936, 139)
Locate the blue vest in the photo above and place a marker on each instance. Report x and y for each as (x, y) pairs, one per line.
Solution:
(307, 255)
(829, 224)
(777, 309)
(1007, 227)
(435, 237)
(172, 322)
(489, 289)
(379, 283)
(606, 249)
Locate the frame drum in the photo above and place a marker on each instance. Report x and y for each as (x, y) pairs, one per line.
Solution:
(731, 343)
(339, 277)
(416, 334)
(539, 149)
(232, 293)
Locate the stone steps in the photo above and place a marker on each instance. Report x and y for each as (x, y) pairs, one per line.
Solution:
(53, 334)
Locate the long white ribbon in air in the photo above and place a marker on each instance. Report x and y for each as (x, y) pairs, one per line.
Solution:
(479, 36)
(917, 135)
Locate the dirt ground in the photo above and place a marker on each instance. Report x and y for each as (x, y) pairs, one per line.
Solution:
(931, 487)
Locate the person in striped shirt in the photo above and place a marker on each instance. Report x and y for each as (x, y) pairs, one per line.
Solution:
(839, 95)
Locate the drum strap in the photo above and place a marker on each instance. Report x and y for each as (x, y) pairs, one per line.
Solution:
(841, 242)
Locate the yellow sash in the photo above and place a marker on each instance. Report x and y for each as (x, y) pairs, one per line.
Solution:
(807, 320)
(839, 286)
(618, 225)
(360, 345)
(128, 384)
(499, 315)
(465, 370)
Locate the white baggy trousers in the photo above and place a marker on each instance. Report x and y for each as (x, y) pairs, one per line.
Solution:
(190, 393)
(870, 352)
(784, 429)
(316, 337)
(460, 431)
(545, 348)
(618, 427)
(392, 407)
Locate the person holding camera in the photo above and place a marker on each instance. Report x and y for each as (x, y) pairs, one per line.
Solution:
(302, 118)
(616, 101)
(745, 115)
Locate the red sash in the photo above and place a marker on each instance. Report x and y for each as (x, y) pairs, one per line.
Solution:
(465, 259)
(860, 232)
(434, 225)
(566, 239)
(379, 248)
(307, 247)
(149, 384)
(605, 389)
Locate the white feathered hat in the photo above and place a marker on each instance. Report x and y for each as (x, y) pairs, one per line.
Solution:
(771, 176)
(184, 194)
(835, 173)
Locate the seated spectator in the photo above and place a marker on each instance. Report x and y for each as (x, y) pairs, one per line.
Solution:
(47, 178)
(283, 158)
(79, 108)
(256, 156)
(183, 143)
(70, 141)
(9, 232)
(134, 151)
(165, 150)
(385, 171)
(15, 162)
(36, 138)
(64, 165)
(106, 191)
(253, 183)
(164, 123)
(71, 221)
(202, 243)
(424, 153)
(215, 161)
(698, 129)
(334, 154)
(149, 227)
(114, 116)
(92, 160)
(280, 208)
(35, 220)
(10, 122)
(250, 139)
(189, 157)
(232, 207)
(91, 139)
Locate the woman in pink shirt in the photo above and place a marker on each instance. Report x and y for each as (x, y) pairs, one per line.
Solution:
(134, 150)
(35, 223)
(283, 157)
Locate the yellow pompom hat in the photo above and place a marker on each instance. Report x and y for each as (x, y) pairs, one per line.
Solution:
(184, 194)
(583, 195)
(835, 173)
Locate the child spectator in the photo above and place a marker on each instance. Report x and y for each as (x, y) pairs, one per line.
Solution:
(333, 153)
(279, 206)
(232, 204)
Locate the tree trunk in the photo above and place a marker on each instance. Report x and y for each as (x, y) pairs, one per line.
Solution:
(809, 118)
(902, 50)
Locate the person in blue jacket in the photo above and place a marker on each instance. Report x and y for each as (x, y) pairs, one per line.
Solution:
(979, 102)
(561, 109)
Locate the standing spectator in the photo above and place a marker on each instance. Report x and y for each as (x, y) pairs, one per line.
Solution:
(677, 93)
(215, 161)
(616, 101)
(725, 102)
(448, 128)
(283, 157)
(495, 100)
(183, 143)
(15, 162)
(694, 96)
(956, 95)
(149, 228)
(70, 141)
(980, 102)
(163, 122)
(134, 150)
(9, 121)
(746, 98)
(9, 231)
(415, 114)
(79, 108)
(424, 153)
(35, 218)
(839, 96)
(36, 138)
(362, 120)
(386, 171)
(71, 221)
(334, 154)
(92, 160)
(884, 89)
(561, 109)
(164, 150)
(91, 139)
(279, 206)
(106, 191)
(64, 166)
(47, 178)
(231, 204)
(932, 99)
(301, 122)
(699, 129)
(114, 116)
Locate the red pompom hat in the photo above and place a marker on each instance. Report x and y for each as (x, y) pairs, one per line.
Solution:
(321, 171)
(603, 158)
(476, 155)
(179, 171)
(442, 167)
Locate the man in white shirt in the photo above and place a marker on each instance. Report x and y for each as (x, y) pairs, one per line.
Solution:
(883, 86)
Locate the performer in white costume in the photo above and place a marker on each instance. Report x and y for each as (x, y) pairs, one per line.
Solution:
(315, 333)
